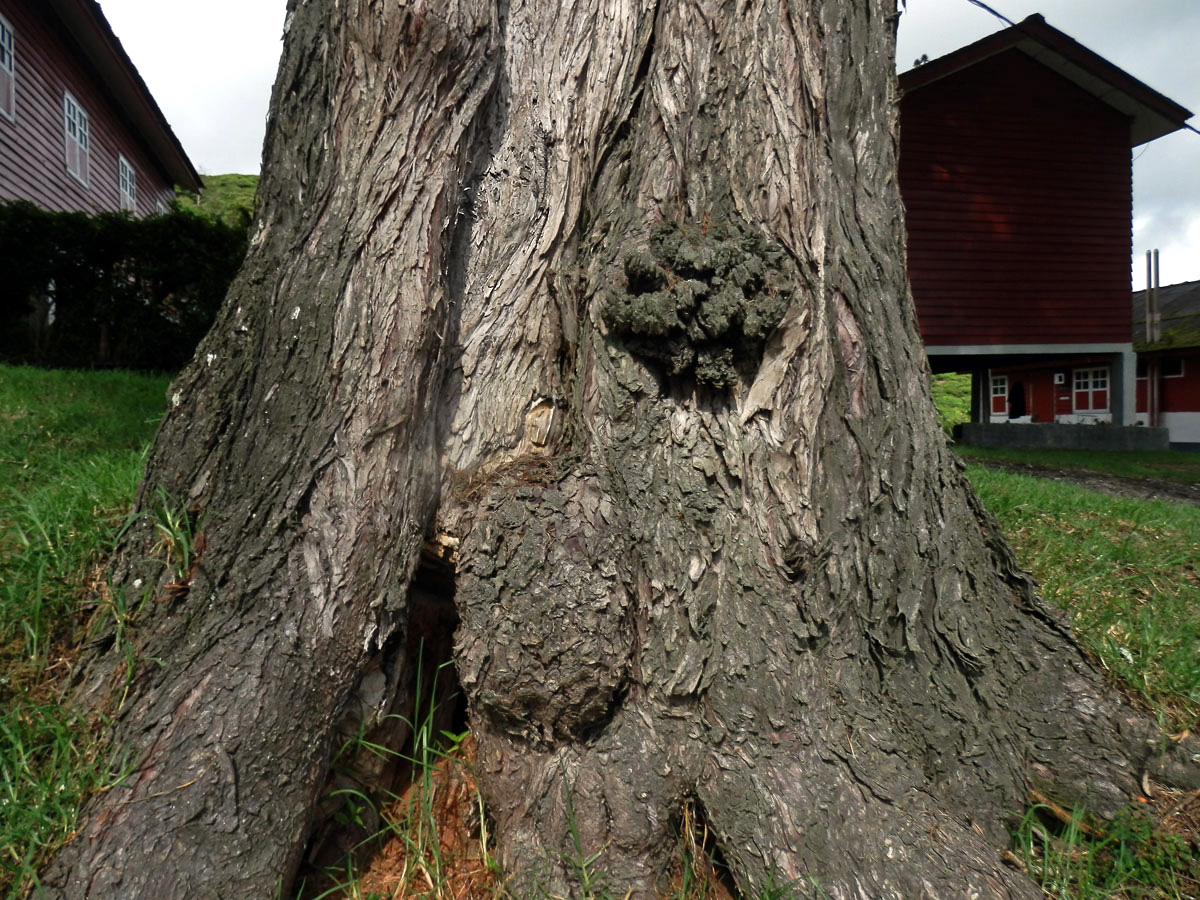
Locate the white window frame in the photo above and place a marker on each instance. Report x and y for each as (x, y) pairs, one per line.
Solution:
(1182, 368)
(997, 387)
(1089, 381)
(77, 140)
(126, 184)
(8, 71)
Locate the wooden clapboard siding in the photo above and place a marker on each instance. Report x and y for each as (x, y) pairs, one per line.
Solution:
(1182, 393)
(32, 148)
(1018, 193)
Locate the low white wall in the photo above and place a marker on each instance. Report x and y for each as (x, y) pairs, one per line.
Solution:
(1184, 426)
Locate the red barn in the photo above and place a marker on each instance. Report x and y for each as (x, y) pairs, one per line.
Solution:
(78, 127)
(1016, 174)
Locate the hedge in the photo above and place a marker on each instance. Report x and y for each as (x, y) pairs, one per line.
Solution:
(110, 290)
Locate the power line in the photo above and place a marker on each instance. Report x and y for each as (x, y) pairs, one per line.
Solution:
(998, 15)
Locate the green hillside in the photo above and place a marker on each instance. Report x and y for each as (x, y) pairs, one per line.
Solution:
(229, 198)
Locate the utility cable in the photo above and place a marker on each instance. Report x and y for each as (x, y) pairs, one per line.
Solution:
(998, 15)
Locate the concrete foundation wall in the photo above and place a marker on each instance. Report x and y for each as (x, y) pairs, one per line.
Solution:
(1184, 426)
(1062, 437)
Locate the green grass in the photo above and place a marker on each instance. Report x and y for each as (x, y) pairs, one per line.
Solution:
(414, 821)
(1130, 857)
(1167, 465)
(1127, 570)
(72, 447)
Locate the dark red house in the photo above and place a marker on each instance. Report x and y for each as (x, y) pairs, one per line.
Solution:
(1016, 173)
(1168, 375)
(78, 127)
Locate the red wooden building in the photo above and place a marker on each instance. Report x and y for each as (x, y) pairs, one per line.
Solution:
(1168, 375)
(1016, 173)
(79, 130)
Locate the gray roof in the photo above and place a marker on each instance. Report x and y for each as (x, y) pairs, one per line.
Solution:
(1179, 308)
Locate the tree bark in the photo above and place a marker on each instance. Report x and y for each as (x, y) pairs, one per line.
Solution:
(610, 299)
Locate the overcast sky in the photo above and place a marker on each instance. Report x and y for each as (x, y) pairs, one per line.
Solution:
(210, 66)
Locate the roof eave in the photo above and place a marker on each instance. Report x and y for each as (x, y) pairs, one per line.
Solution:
(1151, 114)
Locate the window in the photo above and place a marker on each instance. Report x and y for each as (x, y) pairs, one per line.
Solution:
(1091, 390)
(999, 395)
(75, 125)
(1171, 367)
(8, 70)
(126, 184)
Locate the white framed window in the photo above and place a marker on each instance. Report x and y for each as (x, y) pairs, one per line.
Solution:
(1171, 367)
(126, 184)
(999, 395)
(8, 70)
(76, 139)
(1090, 394)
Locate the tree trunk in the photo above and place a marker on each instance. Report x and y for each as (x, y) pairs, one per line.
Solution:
(608, 302)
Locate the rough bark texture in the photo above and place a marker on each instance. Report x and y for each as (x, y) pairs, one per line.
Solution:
(610, 298)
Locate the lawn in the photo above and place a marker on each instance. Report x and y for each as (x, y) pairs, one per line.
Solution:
(1127, 571)
(1167, 465)
(72, 446)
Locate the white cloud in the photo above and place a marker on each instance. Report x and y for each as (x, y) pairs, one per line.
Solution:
(1178, 259)
(210, 66)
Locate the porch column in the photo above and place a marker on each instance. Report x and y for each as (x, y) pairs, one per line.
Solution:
(978, 381)
(1124, 388)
